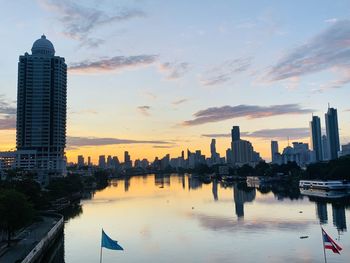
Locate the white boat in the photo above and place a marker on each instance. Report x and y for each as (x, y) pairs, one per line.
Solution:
(324, 185)
(324, 194)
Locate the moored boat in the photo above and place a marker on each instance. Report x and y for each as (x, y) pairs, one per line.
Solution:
(324, 185)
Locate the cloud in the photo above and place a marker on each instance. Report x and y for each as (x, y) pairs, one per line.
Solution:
(95, 141)
(180, 101)
(86, 111)
(163, 146)
(217, 135)
(116, 63)
(8, 123)
(332, 20)
(144, 110)
(150, 95)
(5, 107)
(335, 84)
(328, 50)
(225, 71)
(7, 114)
(216, 114)
(216, 223)
(79, 21)
(174, 70)
(292, 133)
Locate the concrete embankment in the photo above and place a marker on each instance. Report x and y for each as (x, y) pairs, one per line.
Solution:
(35, 240)
(46, 242)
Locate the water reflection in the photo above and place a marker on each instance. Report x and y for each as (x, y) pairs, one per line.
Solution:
(194, 183)
(242, 194)
(338, 201)
(321, 212)
(160, 215)
(161, 180)
(126, 183)
(339, 219)
(215, 189)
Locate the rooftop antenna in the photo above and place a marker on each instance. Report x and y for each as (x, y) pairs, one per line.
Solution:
(328, 105)
(288, 140)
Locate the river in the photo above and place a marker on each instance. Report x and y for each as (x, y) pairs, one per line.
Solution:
(177, 218)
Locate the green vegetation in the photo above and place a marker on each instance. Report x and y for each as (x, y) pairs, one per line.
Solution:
(334, 169)
(15, 212)
(65, 186)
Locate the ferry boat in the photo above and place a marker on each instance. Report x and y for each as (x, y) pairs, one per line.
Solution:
(332, 194)
(324, 185)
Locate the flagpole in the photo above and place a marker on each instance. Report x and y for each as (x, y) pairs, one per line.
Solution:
(101, 248)
(324, 250)
(101, 255)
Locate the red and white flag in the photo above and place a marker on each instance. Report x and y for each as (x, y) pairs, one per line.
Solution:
(329, 243)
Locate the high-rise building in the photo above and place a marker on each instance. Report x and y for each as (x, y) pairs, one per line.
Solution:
(89, 161)
(102, 162)
(332, 132)
(81, 161)
(274, 151)
(127, 160)
(315, 135)
(242, 150)
(229, 156)
(42, 107)
(235, 133)
(213, 148)
(325, 148)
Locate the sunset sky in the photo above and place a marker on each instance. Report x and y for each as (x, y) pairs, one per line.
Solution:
(156, 77)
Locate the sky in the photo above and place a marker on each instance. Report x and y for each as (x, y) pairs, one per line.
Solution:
(155, 77)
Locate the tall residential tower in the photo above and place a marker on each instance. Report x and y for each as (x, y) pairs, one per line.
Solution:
(315, 134)
(42, 107)
(332, 133)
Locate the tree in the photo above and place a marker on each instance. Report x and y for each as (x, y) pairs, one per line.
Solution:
(15, 212)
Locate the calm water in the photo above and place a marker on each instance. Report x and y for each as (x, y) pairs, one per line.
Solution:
(179, 219)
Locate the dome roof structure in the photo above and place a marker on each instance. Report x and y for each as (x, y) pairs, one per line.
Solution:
(43, 46)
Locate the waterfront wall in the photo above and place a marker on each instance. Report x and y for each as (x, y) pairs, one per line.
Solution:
(45, 243)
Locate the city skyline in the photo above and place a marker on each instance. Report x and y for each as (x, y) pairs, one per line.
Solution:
(159, 96)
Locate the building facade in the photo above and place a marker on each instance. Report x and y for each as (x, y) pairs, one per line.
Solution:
(332, 133)
(274, 151)
(42, 107)
(315, 135)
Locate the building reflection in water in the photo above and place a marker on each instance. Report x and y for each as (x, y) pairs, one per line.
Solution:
(194, 183)
(339, 219)
(215, 189)
(321, 212)
(241, 196)
(126, 183)
(338, 214)
(161, 180)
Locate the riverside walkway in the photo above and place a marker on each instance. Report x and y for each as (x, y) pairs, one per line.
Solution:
(27, 240)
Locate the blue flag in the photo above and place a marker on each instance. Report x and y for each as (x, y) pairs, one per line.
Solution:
(109, 243)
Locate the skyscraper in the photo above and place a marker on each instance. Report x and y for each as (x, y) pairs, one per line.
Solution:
(315, 134)
(332, 132)
(274, 151)
(42, 107)
(325, 148)
(81, 161)
(235, 133)
(213, 148)
(242, 150)
(102, 162)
